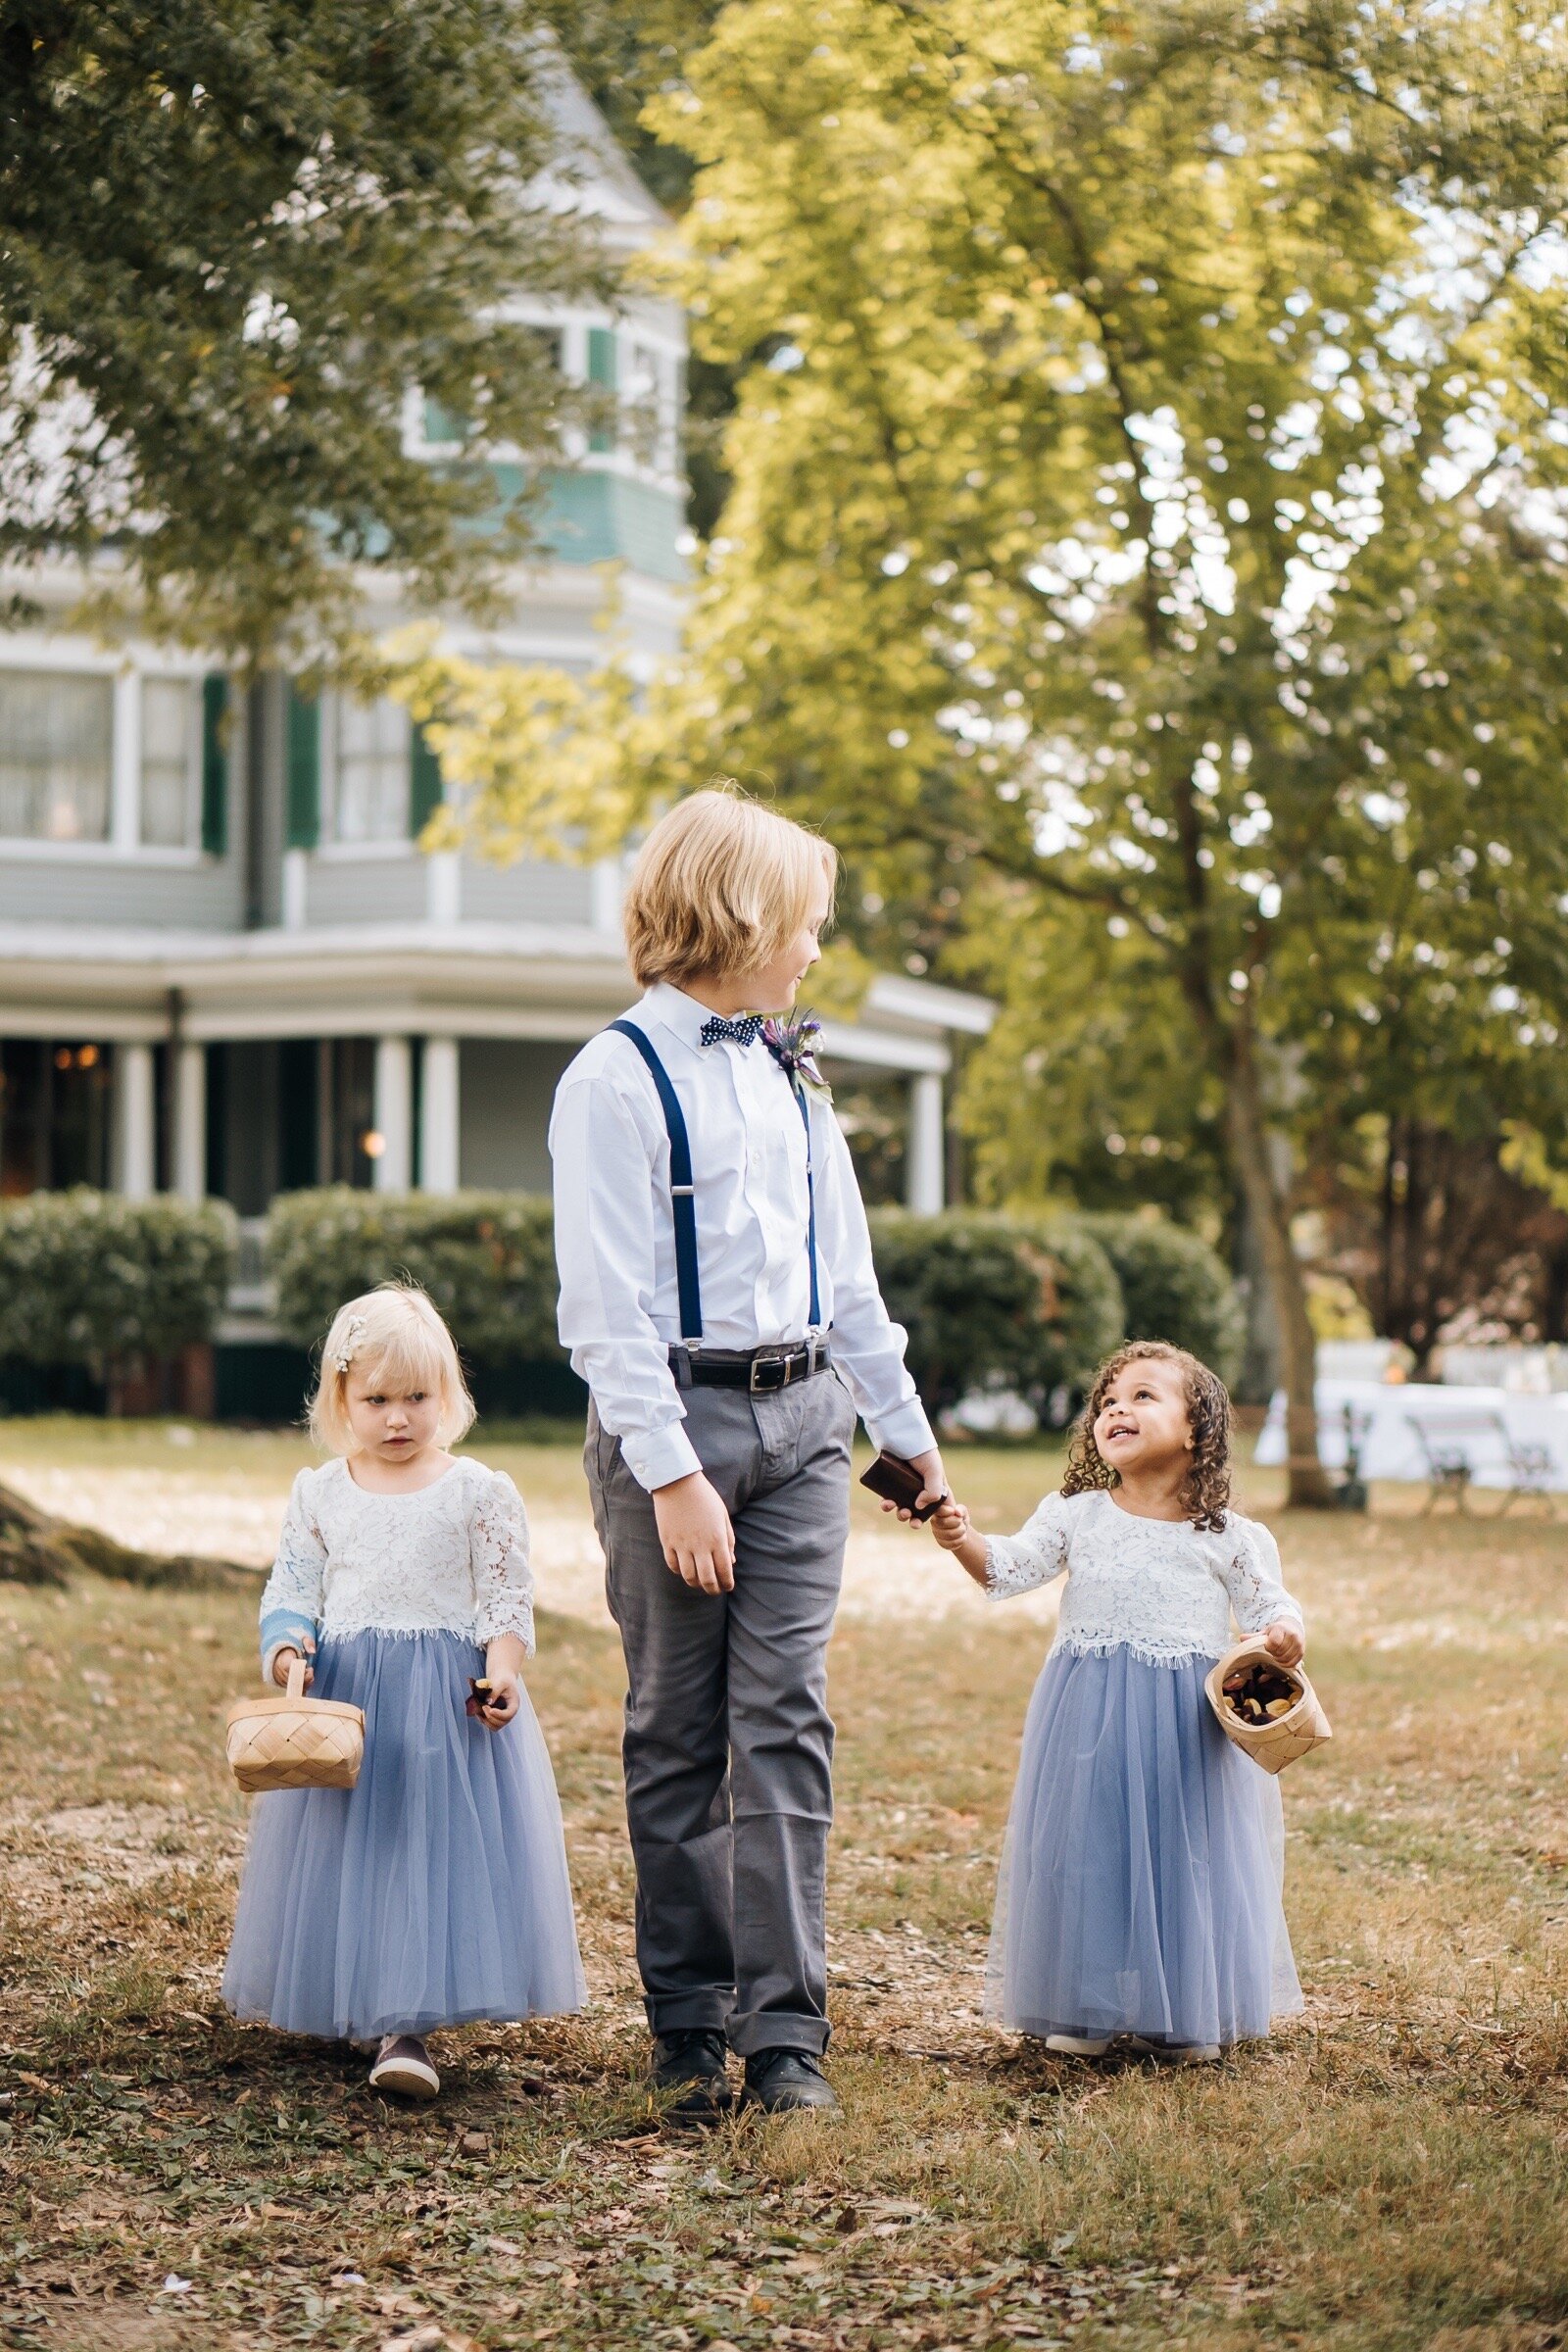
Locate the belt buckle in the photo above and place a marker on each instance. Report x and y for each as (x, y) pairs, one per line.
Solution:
(778, 1360)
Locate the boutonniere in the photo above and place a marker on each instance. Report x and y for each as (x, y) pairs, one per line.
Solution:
(793, 1047)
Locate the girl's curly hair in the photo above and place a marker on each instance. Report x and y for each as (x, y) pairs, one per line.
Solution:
(1206, 1489)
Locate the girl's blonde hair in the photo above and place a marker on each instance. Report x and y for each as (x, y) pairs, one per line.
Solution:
(1206, 1489)
(721, 884)
(391, 1336)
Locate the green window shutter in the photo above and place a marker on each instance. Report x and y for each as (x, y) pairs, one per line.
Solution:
(601, 370)
(304, 770)
(214, 766)
(424, 782)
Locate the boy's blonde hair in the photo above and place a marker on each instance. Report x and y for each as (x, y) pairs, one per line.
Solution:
(392, 1335)
(721, 884)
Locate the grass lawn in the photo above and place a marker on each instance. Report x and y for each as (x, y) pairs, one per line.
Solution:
(1389, 2173)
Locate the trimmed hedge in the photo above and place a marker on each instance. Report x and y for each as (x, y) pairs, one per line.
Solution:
(992, 1301)
(91, 1278)
(989, 1299)
(1176, 1288)
(486, 1258)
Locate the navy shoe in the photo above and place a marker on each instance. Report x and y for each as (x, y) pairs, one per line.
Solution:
(694, 2065)
(784, 2082)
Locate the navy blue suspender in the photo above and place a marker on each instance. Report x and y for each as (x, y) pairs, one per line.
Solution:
(682, 1205)
(682, 1202)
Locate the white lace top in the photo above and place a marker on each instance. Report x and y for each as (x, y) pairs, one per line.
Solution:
(452, 1557)
(1160, 1587)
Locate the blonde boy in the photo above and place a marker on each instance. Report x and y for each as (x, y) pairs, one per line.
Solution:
(717, 1296)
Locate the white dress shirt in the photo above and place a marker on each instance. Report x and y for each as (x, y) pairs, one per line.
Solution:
(616, 1237)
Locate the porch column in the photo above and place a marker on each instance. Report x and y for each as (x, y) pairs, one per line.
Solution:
(135, 1138)
(394, 1114)
(440, 1104)
(924, 1189)
(190, 1122)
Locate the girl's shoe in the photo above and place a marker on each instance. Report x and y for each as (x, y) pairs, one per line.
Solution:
(402, 2068)
(1179, 2053)
(1078, 2045)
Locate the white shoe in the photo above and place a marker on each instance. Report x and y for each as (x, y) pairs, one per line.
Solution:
(1179, 2053)
(1077, 2045)
(402, 2068)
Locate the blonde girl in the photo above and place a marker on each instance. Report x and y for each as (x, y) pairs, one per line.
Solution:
(436, 1890)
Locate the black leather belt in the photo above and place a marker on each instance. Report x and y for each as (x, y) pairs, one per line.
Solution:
(761, 1370)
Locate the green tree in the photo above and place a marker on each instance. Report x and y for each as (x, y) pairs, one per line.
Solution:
(1148, 501)
(235, 237)
(1148, 514)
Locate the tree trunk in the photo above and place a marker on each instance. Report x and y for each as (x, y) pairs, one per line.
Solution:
(1308, 1486)
(36, 1549)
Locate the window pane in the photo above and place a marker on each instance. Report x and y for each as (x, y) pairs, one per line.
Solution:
(167, 744)
(54, 756)
(373, 771)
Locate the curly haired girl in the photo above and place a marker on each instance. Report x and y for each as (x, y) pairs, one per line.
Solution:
(1140, 1886)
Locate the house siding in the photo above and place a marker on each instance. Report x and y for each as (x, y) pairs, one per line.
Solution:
(526, 892)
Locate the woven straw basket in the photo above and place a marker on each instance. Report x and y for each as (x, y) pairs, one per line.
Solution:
(295, 1742)
(1271, 1744)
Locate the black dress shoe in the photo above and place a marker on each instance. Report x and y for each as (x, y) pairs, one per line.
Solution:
(781, 2081)
(693, 2065)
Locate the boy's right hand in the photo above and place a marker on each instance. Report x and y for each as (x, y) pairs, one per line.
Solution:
(695, 1530)
(283, 1660)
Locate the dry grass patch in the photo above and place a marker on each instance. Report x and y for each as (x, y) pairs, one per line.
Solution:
(1386, 2174)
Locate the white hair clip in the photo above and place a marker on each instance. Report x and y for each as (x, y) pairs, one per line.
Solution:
(351, 1331)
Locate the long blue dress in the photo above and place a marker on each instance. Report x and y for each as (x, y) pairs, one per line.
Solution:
(1140, 1883)
(436, 1891)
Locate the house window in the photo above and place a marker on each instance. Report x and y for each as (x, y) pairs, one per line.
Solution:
(171, 722)
(55, 736)
(372, 795)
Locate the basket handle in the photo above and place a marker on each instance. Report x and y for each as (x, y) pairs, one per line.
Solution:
(296, 1678)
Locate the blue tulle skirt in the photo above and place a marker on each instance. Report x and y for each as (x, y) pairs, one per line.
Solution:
(1140, 1882)
(435, 1890)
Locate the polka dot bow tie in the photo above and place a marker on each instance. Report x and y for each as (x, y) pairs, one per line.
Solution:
(717, 1031)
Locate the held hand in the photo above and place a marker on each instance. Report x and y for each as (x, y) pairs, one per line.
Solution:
(1284, 1642)
(693, 1529)
(950, 1524)
(283, 1660)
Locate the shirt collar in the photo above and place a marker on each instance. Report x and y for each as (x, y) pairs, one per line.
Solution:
(678, 1013)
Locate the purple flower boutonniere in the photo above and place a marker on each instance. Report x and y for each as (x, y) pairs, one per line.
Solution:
(793, 1047)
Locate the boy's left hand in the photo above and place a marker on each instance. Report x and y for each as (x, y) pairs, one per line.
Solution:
(1283, 1641)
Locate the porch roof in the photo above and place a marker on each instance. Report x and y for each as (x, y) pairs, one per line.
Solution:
(558, 982)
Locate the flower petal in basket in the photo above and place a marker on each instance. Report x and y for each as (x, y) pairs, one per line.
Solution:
(294, 1741)
(1271, 1744)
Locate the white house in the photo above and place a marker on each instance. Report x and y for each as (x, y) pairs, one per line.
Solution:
(227, 969)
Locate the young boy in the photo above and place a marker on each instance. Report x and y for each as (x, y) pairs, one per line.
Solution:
(717, 1296)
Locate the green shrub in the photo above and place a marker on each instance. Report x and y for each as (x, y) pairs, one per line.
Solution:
(1176, 1288)
(486, 1258)
(91, 1278)
(997, 1301)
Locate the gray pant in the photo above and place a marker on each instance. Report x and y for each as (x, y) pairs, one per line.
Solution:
(728, 1746)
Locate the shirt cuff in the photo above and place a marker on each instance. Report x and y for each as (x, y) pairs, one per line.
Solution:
(904, 1431)
(661, 1457)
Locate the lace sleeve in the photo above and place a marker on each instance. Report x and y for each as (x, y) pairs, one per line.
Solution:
(1033, 1555)
(291, 1601)
(1255, 1582)
(503, 1579)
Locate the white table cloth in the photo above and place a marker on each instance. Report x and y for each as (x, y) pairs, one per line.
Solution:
(1389, 1446)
